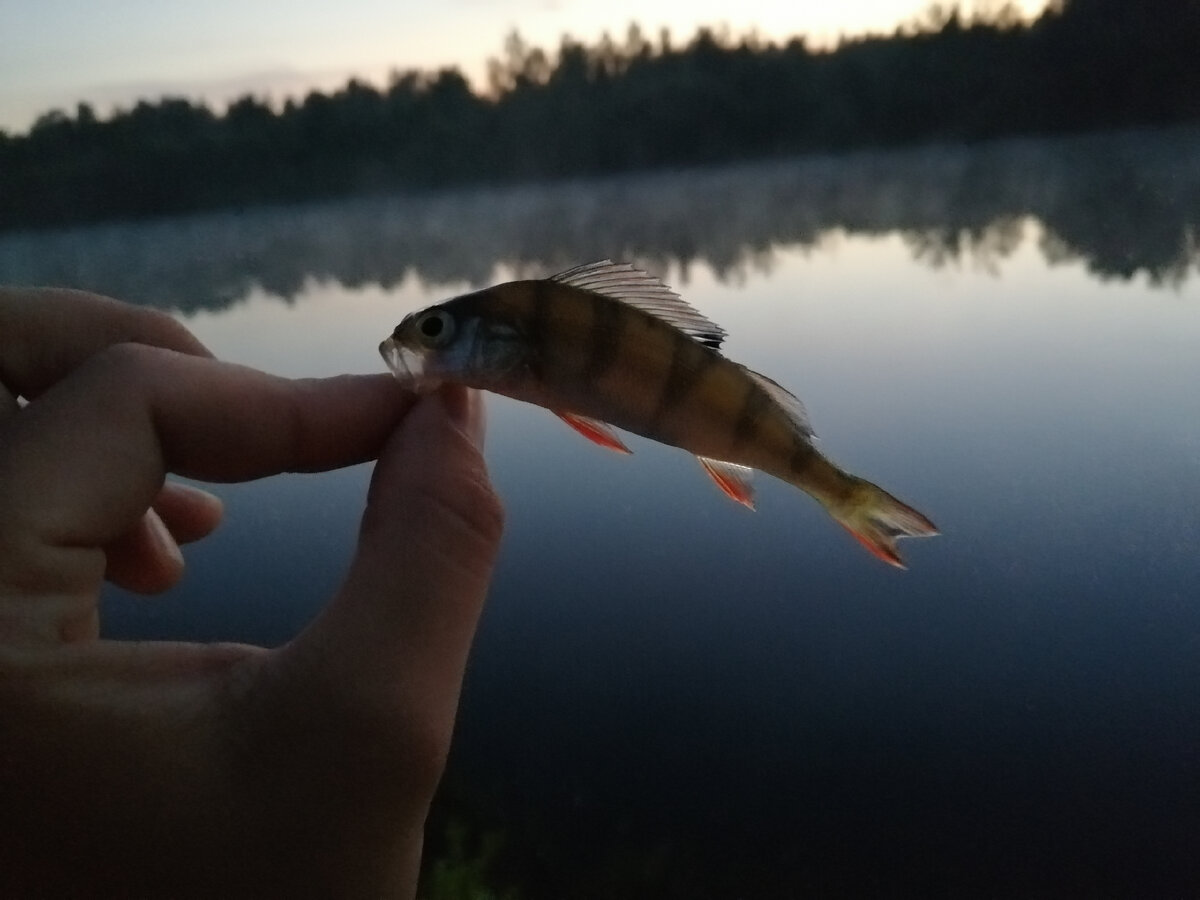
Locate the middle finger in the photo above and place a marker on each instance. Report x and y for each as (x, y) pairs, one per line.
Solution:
(45, 333)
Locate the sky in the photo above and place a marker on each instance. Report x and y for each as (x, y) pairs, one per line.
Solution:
(55, 53)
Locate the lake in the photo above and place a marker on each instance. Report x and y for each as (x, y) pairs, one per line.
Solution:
(671, 696)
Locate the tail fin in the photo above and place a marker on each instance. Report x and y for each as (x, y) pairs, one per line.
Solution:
(877, 520)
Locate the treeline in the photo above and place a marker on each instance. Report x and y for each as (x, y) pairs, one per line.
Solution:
(640, 103)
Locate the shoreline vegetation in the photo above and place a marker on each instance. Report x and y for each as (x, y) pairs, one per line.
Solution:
(644, 103)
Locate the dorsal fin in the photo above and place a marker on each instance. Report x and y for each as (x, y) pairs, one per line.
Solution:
(788, 401)
(641, 290)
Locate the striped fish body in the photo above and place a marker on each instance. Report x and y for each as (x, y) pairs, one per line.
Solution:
(608, 361)
(607, 345)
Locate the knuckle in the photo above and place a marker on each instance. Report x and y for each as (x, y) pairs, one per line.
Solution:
(145, 347)
(456, 505)
(464, 500)
(155, 322)
(155, 328)
(292, 429)
(478, 506)
(124, 360)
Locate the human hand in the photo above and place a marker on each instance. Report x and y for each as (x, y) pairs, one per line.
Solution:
(170, 769)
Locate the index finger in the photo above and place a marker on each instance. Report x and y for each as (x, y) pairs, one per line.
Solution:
(81, 464)
(45, 333)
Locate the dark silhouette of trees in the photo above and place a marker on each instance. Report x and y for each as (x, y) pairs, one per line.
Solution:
(620, 106)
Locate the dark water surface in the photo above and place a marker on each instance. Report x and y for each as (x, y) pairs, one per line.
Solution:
(673, 697)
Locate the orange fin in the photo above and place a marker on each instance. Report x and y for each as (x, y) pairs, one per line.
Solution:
(731, 478)
(594, 430)
(877, 520)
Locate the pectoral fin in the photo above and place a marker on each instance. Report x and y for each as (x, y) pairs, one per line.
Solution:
(595, 431)
(731, 478)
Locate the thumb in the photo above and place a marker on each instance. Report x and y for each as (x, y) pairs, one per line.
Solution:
(396, 637)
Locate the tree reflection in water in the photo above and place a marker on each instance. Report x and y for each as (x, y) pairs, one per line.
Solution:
(1124, 204)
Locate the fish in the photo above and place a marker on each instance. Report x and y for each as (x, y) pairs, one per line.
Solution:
(606, 345)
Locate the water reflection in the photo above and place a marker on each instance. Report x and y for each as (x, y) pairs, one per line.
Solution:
(1125, 205)
(671, 697)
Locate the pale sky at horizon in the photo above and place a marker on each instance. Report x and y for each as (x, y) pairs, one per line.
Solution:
(56, 53)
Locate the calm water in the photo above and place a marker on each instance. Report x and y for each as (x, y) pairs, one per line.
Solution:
(673, 697)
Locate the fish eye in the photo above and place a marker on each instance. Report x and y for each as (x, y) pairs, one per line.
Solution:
(436, 327)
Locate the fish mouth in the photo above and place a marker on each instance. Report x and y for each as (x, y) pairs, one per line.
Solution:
(408, 366)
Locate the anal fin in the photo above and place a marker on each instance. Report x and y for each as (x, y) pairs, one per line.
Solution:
(594, 430)
(732, 479)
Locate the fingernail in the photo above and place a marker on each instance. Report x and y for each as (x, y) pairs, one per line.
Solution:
(465, 408)
(199, 496)
(162, 537)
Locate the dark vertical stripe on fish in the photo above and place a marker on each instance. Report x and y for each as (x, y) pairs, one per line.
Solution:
(536, 330)
(607, 322)
(689, 361)
(755, 403)
(802, 454)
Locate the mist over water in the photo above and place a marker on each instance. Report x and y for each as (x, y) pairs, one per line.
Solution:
(1123, 204)
(673, 697)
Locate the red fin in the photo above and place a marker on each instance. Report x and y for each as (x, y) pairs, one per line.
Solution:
(731, 478)
(878, 550)
(594, 430)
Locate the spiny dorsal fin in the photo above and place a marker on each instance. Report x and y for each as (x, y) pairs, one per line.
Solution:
(788, 401)
(641, 290)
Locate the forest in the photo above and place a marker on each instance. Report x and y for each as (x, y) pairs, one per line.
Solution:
(644, 102)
